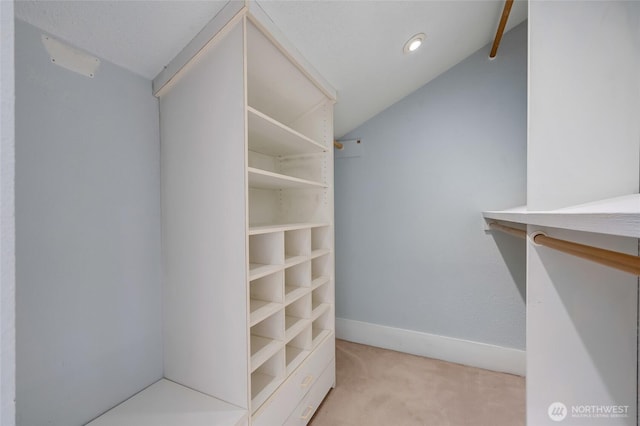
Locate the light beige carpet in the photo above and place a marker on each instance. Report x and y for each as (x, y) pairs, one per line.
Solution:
(378, 387)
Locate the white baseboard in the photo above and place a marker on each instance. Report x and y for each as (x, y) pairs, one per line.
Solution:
(466, 352)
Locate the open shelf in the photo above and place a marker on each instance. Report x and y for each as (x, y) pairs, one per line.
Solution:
(297, 317)
(320, 266)
(613, 216)
(266, 379)
(278, 227)
(261, 309)
(266, 296)
(318, 308)
(293, 293)
(297, 282)
(262, 348)
(319, 252)
(319, 281)
(269, 180)
(295, 356)
(275, 85)
(322, 323)
(318, 335)
(294, 260)
(258, 270)
(298, 348)
(270, 137)
(166, 403)
(262, 386)
(294, 325)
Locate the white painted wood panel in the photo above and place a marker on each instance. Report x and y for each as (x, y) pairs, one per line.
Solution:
(204, 211)
(581, 331)
(584, 132)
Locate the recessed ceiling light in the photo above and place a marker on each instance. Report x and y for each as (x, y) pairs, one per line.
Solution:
(414, 43)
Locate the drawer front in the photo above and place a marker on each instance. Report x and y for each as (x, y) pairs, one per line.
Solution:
(279, 407)
(304, 411)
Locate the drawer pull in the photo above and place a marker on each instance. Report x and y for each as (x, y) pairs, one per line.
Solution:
(307, 381)
(307, 412)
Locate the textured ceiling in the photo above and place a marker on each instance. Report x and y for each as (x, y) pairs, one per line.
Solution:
(139, 35)
(356, 45)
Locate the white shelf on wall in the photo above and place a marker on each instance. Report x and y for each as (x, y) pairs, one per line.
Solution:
(265, 229)
(264, 179)
(270, 137)
(166, 403)
(614, 216)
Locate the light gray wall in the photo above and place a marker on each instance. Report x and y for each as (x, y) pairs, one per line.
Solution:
(88, 237)
(410, 249)
(7, 217)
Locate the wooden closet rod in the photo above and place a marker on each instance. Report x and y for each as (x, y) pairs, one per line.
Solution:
(338, 145)
(503, 23)
(613, 259)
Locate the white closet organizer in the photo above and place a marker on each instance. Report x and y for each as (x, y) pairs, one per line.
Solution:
(614, 216)
(248, 235)
(582, 158)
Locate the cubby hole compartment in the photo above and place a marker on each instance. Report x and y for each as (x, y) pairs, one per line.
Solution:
(320, 300)
(279, 89)
(298, 348)
(297, 282)
(267, 337)
(320, 240)
(297, 246)
(266, 254)
(321, 267)
(266, 379)
(266, 296)
(321, 327)
(296, 317)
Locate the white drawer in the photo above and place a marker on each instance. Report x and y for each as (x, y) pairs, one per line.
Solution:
(304, 411)
(279, 407)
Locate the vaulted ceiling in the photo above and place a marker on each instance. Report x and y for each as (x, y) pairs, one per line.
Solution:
(356, 45)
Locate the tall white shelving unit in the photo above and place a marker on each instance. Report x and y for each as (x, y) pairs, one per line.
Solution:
(248, 235)
(583, 183)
